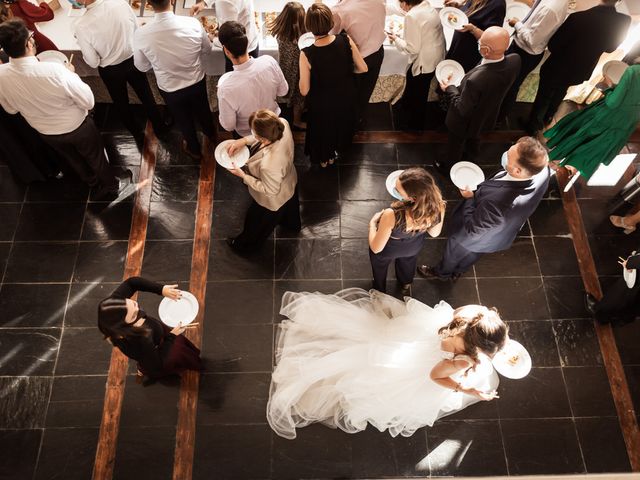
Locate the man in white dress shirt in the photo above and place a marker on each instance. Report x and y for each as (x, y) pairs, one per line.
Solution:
(105, 35)
(240, 11)
(174, 46)
(254, 83)
(56, 103)
(532, 34)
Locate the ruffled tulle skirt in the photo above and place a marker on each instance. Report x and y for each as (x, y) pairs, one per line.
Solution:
(358, 358)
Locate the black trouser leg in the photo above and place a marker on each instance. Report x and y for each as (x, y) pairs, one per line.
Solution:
(259, 222)
(379, 267)
(414, 98)
(528, 64)
(179, 104)
(366, 82)
(140, 84)
(456, 260)
(84, 151)
(199, 103)
(455, 150)
(290, 213)
(115, 79)
(406, 269)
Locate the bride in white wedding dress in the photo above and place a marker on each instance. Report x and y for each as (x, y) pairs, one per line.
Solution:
(361, 357)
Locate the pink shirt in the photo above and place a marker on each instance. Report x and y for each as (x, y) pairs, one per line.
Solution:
(363, 20)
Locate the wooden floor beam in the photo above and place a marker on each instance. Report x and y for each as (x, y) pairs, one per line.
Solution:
(114, 394)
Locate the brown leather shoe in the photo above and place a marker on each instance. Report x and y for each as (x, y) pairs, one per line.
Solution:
(428, 271)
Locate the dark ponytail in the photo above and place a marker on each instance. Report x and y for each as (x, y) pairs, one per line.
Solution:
(111, 320)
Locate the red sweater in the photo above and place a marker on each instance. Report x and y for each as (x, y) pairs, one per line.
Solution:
(31, 13)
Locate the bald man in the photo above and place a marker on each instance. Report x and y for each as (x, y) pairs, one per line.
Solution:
(474, 105)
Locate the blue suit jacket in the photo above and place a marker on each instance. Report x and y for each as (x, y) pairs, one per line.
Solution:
(490, 221)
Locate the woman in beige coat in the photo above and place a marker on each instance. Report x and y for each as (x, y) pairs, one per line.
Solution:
(271, 178)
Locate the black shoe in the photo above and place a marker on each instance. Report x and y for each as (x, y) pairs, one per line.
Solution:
(590, 303)
(429, 272)
(194, 155)
(405, 289)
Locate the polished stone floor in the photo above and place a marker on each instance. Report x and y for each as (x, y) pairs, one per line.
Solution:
(61, 252)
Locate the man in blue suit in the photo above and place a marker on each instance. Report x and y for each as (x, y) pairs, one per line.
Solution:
(489, 219)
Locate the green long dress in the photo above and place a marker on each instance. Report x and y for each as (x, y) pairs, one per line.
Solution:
(586, 138)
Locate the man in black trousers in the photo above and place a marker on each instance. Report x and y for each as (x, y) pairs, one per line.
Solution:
(474, 105)
(575, 50)
(489, 219)
(105, 36)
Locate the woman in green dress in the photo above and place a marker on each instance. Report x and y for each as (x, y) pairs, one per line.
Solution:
(586, 138)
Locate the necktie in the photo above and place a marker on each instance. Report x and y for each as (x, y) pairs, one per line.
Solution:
(533, 7)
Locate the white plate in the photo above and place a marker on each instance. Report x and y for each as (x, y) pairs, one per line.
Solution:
(448, 68)
(629, 275)
(223, 158)
(513, 361)
(53, 56)
(306, 40)
(184, 311)
(390, 182)
(466, 174)
(458, 18)
(614, 69)
(517, 10)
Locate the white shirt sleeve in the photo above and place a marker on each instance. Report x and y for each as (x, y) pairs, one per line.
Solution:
(226, 112)
(544, 22)
(226, 11)
(140, 60)
(89, 54)
(282, 87)
(79, 91)
(412, 37)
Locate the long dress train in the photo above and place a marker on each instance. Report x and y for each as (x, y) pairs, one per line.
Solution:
(359, 357)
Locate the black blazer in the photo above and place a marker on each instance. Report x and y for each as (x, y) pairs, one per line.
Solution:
(474, 105)
(578, 43)
(151, 349)
(490, 221)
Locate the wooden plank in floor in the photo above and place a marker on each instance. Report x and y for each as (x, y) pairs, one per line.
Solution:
(110, 423)
(610, 355)
(188, 399)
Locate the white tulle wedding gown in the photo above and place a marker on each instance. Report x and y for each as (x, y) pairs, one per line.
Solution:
(361, 357)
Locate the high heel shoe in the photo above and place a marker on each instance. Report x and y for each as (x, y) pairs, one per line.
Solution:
(618, 221)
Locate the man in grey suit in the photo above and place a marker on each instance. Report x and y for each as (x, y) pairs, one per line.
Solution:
(474, 105)
(489, 219)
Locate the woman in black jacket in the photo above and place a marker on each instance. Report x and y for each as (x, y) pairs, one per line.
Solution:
(158, 350)
(619, 304)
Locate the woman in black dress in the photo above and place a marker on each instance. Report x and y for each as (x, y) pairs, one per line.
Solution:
(159, 351)
(327, 80)
(482, 14)
(397, 234)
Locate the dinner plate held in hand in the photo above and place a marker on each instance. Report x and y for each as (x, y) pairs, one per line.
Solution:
(184, 311)
(614, 69)
(222, 155)
(390, 183)
(466, 174)
(450, 72)
(513, 361)
(306, 40)
(53, 56)
(453, 18)
(517, 10)
(629, 275)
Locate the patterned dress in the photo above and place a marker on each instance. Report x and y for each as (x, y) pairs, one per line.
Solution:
(289, 63)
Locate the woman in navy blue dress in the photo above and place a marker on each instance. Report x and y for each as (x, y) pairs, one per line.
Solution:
(397, 234)
(482, 14)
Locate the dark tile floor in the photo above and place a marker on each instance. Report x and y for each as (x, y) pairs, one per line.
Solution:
(60, 253)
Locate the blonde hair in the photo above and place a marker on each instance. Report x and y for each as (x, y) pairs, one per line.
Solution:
(5, 12)
(426, 207)
(267, 125)
(289, 24)
(475, 6)
(481, 329)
